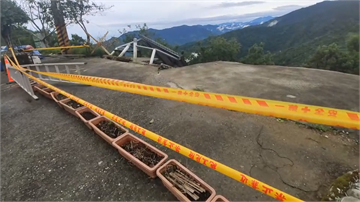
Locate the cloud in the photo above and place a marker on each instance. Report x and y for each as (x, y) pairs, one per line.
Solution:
(198, 12)
(288, 7)
(237, 4)
(277, 11)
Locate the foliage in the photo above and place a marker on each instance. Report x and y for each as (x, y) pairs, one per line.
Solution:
(76, 40)
(256, 56)
(20, 36)
(217, 49)
(82, 50)
(352, 42)
(332, 58)
(297, 35)
(11, 15)
(76, 10)
(40, 18)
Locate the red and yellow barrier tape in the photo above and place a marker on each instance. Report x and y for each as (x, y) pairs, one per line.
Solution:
(59, 47)
(230, 172)
(293, 111)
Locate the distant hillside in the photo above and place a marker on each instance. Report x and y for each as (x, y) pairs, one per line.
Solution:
(183, 34)
(295, 36)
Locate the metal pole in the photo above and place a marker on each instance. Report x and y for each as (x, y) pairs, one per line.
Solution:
(135, 50)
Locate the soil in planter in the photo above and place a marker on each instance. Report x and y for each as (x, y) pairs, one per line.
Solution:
(141, 152)
(186, 184)
(42, 87)
(60, 96)
(74, 104)
(88, 115)
(110, 129)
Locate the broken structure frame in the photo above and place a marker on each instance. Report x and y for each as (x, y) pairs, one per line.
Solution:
(135, 46)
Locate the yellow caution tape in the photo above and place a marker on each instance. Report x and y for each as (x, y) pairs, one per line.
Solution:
(59, 47)
(288, 110)
(230, 172)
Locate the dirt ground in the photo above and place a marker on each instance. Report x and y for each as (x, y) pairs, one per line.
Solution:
(46, 154)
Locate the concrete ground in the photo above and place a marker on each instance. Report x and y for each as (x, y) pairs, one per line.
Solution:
(46, 154)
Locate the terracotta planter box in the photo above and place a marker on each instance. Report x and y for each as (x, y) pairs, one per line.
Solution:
(44, 91)
(106, 137)
(36, 86)
(54, 95)
(174, 190)
(68, 108)
(86, 115)
(219, 198)
(149, 170)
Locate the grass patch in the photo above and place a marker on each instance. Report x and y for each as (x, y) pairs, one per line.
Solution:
(281, 119)
(339, 187)
(199, 89)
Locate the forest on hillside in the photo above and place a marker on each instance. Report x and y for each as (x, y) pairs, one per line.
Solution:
(295, 39)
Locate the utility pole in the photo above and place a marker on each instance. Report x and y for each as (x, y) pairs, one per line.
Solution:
(60, 25)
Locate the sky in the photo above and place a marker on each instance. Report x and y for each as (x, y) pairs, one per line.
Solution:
(160, 14)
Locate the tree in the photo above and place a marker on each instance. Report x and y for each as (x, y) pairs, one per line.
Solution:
(11, 16)
(352, 42)
(140, 29)
(126, 36)
(217, 49)
(256, 56)
(40, 18)
(77, 40)
(76, 11)
(332, 58)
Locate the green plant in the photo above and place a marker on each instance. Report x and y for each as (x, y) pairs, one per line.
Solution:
(199, 89)
(256, 56)
(218, 49)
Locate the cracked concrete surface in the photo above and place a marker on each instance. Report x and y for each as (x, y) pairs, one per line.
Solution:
(46, 162)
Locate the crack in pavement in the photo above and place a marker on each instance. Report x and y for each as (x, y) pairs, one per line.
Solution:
(269, 149)
(275, 168)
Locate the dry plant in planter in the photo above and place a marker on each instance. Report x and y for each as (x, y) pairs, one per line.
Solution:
(107, 129)
(71, 106)
(184, 184)
(143, 155)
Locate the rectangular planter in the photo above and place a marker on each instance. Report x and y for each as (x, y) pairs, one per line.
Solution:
(219, 198)
(68, 108)
(83, 119)
(36, 86)
(45, 91)
(174, 190)
(151, 171)
(53, 96)
(107, 138)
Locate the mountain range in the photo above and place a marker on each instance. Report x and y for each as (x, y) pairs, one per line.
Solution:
(183, 34)
(230, 26)
(294, 37)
